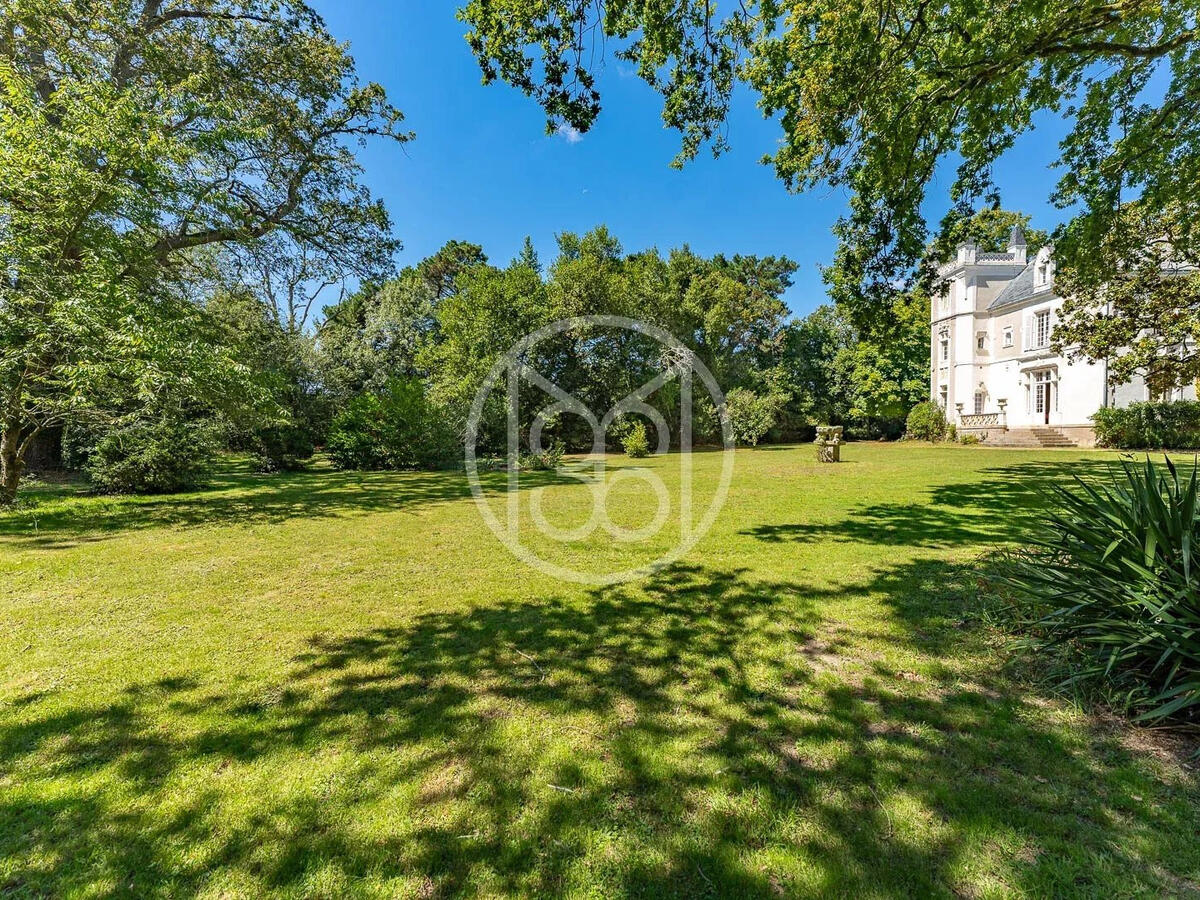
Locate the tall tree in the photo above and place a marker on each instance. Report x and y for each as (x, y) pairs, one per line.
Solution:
(813, 358)
(133, 133)
(492, 310)
(529, 256)
(442, 270)
(887, 375)
(375, 335)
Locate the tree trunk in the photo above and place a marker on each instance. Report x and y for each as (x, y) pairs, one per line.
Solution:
(12, 461)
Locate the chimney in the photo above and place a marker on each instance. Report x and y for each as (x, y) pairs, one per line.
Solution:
(1016, 245)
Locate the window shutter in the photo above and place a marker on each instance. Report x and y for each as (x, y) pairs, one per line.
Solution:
(1027, 336)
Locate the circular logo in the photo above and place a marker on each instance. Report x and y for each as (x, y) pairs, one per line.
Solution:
(678, 364)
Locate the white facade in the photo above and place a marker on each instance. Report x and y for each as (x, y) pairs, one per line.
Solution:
(992, 366)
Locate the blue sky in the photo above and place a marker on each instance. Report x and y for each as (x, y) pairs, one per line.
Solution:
(483, 169)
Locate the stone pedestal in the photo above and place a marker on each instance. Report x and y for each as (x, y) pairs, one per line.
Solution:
(829, 443)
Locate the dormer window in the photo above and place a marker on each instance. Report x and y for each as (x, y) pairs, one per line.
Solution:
(1042, 269)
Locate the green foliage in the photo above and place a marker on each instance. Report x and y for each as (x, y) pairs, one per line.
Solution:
(887, 374)
(636, 442)
(280, 420)
(133, 136)
(751, 415)
(1150, 426)
(396, 428)
(528, 256)
(442, 270)
(376, 334)
(926, 422)
(490, 311)
(159, 455)
(1114, 575)
(727, 312)
(547, 460)
(969, 438)
(282, 448)
(1136, 301)
(814, 372)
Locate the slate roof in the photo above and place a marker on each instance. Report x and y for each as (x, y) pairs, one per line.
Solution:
(1020, 288)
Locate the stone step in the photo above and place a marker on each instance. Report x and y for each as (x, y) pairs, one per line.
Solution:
(1035, 437)
(1052, 437)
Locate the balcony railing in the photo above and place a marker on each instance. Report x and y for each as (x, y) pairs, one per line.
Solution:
(979, 420)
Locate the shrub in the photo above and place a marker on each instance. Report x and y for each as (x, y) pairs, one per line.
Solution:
(952, 432)
(635, 442)
(751, 415)
(549, 459)
(926, 422)
(1152, 426)
(969, 438)
(397, 428)
(149, 456)
(1115, 576)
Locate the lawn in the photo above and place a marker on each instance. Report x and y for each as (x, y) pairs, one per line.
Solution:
(329, 684)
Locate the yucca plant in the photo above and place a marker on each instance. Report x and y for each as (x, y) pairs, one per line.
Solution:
(1114, 573)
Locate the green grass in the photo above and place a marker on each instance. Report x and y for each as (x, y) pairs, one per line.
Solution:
(329, 684)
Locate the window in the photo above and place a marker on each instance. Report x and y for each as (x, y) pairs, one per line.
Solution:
(1041, 329)
(945, 351)
(980, 340)
(979, 403)
(1008, 336)
(943, 396)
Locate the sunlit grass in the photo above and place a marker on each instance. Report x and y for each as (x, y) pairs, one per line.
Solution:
(329, 684)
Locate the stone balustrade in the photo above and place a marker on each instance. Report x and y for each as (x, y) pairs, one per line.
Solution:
(979, 420)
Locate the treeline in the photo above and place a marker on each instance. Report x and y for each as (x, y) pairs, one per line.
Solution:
(388, 375)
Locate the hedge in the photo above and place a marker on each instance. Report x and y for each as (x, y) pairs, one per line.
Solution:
(1150, 426)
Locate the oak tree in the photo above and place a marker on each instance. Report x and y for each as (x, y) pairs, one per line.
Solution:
(134, 133)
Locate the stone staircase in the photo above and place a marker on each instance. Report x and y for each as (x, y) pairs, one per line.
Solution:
(1052, 437)
(1041, 437)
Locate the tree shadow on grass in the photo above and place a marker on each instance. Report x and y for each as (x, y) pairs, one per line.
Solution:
(999, 505)
(675, 738)
(238, 496)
